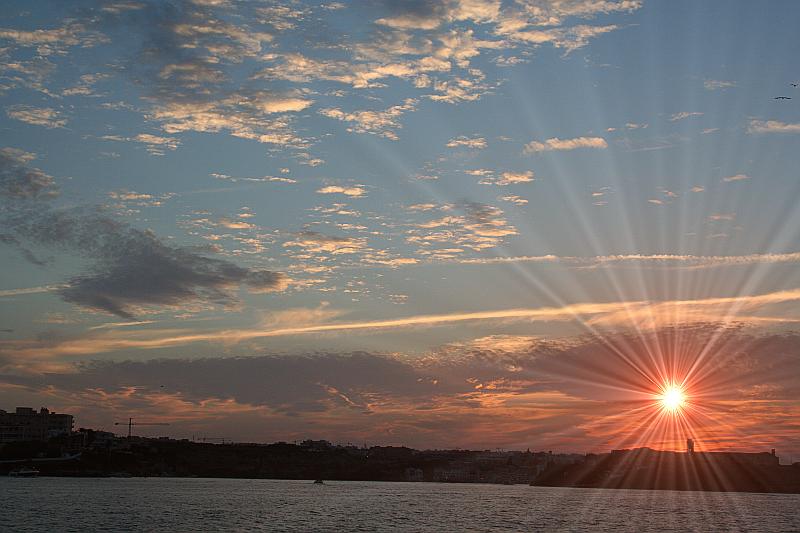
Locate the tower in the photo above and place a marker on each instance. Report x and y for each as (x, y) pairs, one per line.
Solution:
(690, 446)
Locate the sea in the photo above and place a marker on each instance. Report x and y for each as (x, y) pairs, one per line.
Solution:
(181, 504)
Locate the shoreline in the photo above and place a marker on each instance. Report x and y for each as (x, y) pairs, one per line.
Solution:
(310, 481)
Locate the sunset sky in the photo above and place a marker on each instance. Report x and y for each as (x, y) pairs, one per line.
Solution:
(461, 223)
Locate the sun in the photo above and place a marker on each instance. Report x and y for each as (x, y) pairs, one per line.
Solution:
(672, 398)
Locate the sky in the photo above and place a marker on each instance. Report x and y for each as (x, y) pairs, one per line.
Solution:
(463, 223)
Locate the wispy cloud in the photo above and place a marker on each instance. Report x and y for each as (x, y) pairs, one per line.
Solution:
(263, 179)
(514, 199)
(715, 85)
(31, 290)
(37, 116)
(722, 217)
(641, 314)
(383, 123)
(665, 260)
(556, 144)
(352, 191)
(156, 144)
(509, 178)
(772, 126)
(476, 143)
(736, 177)
(315, 242)
(684, 114)
(70, 34)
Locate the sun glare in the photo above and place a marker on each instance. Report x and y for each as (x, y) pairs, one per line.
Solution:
(672, 398)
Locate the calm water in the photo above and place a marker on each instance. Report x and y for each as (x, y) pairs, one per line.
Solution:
(158, 504)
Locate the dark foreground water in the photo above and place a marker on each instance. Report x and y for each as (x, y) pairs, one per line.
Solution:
(169, 504)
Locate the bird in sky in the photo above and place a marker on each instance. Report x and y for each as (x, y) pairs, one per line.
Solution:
(793, 84)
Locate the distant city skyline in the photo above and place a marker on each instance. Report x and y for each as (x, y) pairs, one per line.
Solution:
(561, 224)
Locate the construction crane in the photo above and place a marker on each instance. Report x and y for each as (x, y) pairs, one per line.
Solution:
(130, 423)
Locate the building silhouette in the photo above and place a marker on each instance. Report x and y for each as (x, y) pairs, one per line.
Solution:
(27, 424)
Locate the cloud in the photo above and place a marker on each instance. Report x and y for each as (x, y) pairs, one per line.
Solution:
(479, 172)
(565, 144)
(393, 54)
(514, 199)
(282, 17)
(230, 223)
(298, 384)
(316, 242)
(505, 179)
(200, 62)
(84, 86)
(406, 22)
(243, 115)
(187, 54)
(281, 105)
(477, 143)
(354, 191)
(555, 13)
(297, 68)
(737, 177)
(431, 15)
(131, 268)
(714, 85)
(27, 254)
(421, 207)
(53, 40)
(639, 315)
(441, 60)
(722, 216)
(519, 22)
(569, 392)
(37, 116)
(480, 227)
(512, 178)
(772, 126)
(155, 143)
(459, 90)
(188, 40)
(569, 38)
(155, 140)
(663, 260)
(30, 290)
(684, 114)
(277, 179)
(440, 222)
(134, 269)
(20, 180)
(381, 123)
(129, 201)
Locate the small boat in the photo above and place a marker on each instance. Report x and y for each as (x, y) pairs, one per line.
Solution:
(24, 471)
(318, 482)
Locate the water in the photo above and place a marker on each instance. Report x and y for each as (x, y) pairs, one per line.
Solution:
(169, 504)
